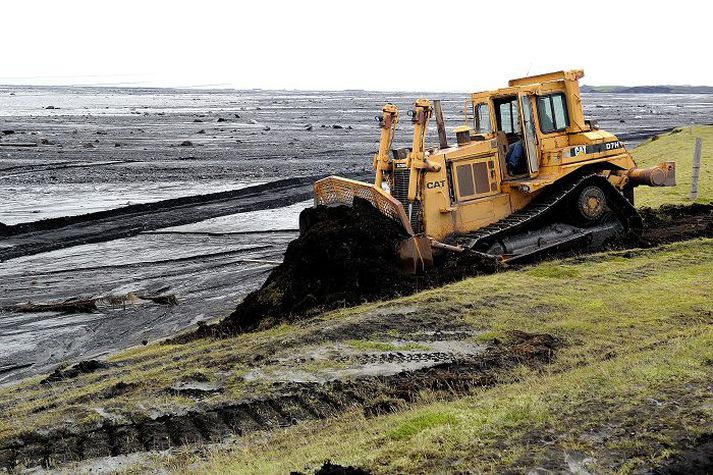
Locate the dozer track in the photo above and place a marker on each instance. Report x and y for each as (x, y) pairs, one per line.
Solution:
(538, 229)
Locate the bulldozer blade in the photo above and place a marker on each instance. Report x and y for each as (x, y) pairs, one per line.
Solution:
(415, 254)
(334, 190)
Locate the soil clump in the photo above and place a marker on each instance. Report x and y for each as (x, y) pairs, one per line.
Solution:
(347, 255)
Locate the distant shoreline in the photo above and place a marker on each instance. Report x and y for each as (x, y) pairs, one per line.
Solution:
(647, 89)
(189, 89)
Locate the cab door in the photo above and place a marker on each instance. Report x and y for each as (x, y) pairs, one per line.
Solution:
(529, 136)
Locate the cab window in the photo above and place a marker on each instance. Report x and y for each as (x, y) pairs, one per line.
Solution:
(508, 116)
(552, 111)
(482, 119)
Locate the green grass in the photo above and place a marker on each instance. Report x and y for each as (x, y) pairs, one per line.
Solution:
(628, 386)
(553, 271)
(678, 146)
(421, 423)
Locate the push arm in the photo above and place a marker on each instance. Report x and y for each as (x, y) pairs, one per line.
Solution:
(417, 160)
(387, 122)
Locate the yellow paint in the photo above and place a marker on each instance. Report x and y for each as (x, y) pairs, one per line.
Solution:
(486, 193)
(388, 122)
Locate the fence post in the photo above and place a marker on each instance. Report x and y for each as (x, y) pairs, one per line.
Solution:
(695, 169)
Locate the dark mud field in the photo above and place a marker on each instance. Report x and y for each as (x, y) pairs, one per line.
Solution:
(164, 208)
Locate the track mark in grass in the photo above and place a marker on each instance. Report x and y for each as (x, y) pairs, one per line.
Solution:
(551, 271)
(291, 403)
(421, 423)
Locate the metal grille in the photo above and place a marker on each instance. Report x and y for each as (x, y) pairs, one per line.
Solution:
(400, 188)
(334, 190)
(400, 192)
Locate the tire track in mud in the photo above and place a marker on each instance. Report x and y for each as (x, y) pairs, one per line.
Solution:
(650, 268)
(401, 357)
(293, 403)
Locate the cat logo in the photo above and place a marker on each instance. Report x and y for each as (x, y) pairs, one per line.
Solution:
(579, 150)
(436, 184)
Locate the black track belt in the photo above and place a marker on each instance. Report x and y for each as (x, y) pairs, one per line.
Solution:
(540, 208)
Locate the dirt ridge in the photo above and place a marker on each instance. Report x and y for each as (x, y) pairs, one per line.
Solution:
(60, 222)
(57, 233)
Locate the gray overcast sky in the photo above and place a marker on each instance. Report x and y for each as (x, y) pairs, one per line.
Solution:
(362, 44)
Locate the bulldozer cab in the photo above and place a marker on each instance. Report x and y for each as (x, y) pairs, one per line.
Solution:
(531, 116)
(514, 127)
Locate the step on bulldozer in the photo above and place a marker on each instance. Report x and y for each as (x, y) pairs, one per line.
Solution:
(527, 175)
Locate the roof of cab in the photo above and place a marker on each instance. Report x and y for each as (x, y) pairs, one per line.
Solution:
(530, 83)
(571, 75)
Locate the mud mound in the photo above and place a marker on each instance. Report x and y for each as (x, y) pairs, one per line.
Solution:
(330, 468)
(671, 223)
(83, 367)
(346, 257)
(697, 460)
(666, 214)
(334, 469)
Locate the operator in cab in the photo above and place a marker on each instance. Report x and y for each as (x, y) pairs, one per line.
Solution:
(515, 158)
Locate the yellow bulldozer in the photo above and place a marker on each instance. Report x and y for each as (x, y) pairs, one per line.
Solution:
(527, 175)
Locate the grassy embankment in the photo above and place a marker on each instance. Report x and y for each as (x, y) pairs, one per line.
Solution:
(678, 146)
(628, 389)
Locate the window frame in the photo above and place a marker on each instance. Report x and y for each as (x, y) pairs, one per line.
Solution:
(478, 124)
(465, 180)
(551, 106)
(513, 107)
